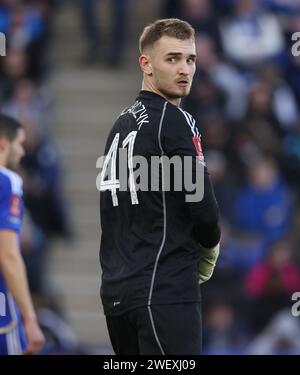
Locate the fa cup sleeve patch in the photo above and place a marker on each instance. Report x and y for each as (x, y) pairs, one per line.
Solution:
(15, 206)
(198, 147)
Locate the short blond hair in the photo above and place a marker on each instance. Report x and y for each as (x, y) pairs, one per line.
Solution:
(172, 27)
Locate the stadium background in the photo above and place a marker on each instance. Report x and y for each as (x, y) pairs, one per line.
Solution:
(71, 66)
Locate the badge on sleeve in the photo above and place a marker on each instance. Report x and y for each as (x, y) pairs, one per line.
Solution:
(15, 205)
(198, 147)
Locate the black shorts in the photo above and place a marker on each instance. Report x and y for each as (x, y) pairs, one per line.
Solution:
(159, 329)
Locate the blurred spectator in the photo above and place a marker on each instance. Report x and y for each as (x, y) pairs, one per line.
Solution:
(215, 133)
(251, 35)
(260, 132)
(200, 14)
(280, 337)
(34, 247)
(284, 102)
(224, 332)
(226, 77)
(42, 174)
(35, 250)
(14, 67)
(239, 254)
(28, 101)
(206, 97)
(277, 273)
(271, 283)
(22, 21)
(120, 19)
(90, 22)
(118, 35)
(283, 6)
(291, 158)
(222, 179)
(261, 108)
(26, 25)
(47, 212)
(263, 205)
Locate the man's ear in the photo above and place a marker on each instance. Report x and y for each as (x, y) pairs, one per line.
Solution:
(145, 64)
(3, 144)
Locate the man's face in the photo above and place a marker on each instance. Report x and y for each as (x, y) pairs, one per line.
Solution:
(16, 150)
(173, 66)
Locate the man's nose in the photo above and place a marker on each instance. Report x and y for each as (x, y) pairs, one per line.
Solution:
(184, 68)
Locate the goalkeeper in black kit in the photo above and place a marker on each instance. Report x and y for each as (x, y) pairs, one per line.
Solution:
(158, 245)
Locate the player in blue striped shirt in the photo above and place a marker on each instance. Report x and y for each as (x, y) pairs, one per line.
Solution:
(19, 330)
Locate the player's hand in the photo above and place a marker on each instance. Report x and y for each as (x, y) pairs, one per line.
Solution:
(35, 337)
(207, 263)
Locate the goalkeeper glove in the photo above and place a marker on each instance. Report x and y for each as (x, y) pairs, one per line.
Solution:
(207, 262)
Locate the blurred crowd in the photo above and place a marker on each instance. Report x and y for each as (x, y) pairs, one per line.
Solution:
(246, 96)
(25, 94)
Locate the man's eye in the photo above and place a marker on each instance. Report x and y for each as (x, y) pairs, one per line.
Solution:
(171, 59)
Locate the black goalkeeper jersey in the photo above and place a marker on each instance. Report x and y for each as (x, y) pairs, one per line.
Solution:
(151, 239)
